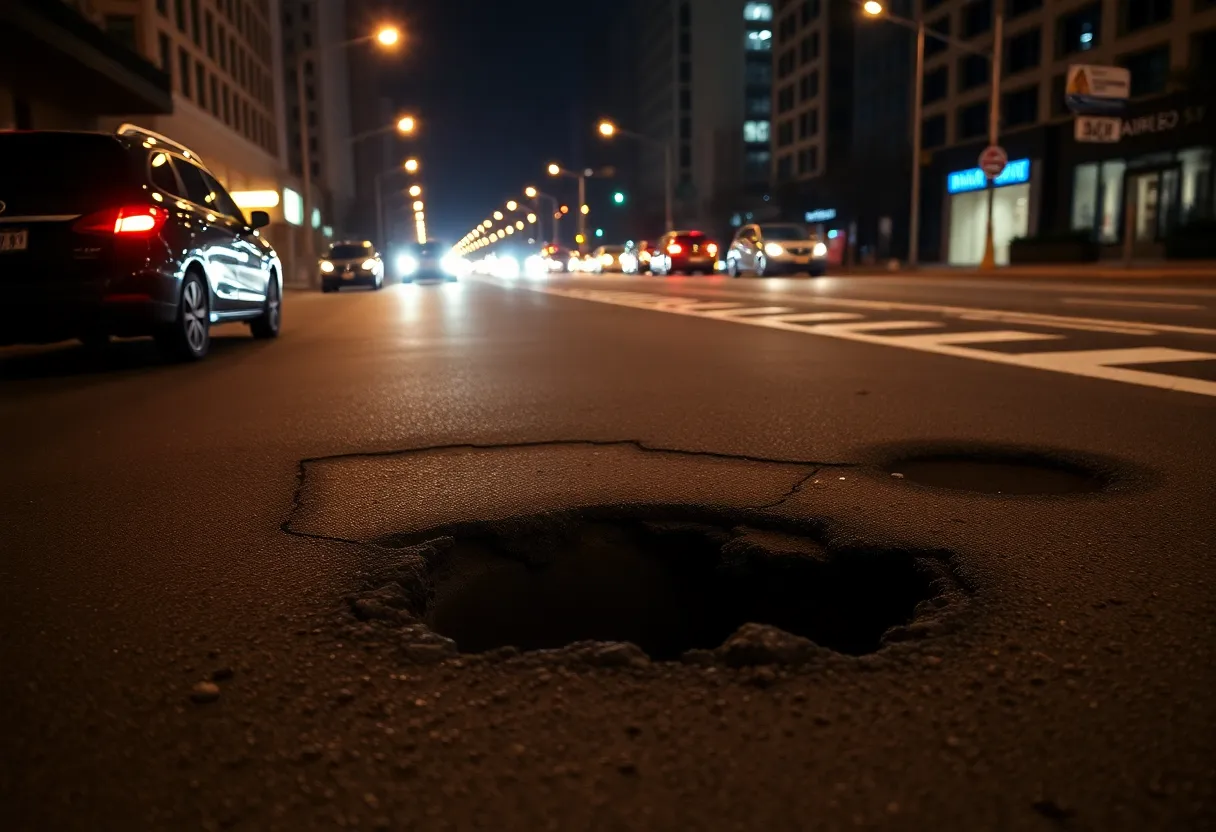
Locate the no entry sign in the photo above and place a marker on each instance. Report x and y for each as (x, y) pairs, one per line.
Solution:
(993, 161)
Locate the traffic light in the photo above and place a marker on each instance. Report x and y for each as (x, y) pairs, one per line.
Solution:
(580, 239)
(618, 198)
(599, 232)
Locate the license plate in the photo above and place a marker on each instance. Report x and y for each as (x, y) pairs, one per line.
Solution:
(14, 240)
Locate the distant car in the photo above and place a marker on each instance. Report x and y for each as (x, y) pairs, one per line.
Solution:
(556, 258)
(126, 234)
(683, 252)
(776, 248)
(606, 260)
(431, 260)
(351, 263)
(636, 259)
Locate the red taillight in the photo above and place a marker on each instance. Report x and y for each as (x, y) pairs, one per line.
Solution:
(127, 221)
(675, 248)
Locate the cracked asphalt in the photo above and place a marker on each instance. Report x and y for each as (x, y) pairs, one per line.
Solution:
(182, 549)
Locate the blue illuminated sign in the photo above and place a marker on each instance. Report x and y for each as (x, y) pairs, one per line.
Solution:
(1016, 172)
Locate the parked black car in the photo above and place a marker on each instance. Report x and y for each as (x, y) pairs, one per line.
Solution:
(126, 234)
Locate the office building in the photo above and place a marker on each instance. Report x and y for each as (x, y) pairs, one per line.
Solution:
(60, 70)
(1155, 177)
(704, 85)
(313, 33)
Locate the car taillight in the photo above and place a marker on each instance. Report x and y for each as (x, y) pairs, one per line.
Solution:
(711, 248)
(127, 221)
(675, 248)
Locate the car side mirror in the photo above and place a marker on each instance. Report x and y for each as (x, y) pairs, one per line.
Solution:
(259, 219)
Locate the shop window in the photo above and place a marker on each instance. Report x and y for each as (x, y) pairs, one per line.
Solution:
(1020, 107)
(936, 83)
(973, 120)
(1023, 51)
(1139, 14)
(972, 72)
(1017, 8)
(933, 132)
(934, 46)
(977, 18)
(1196, 197)
(1150, 69)
(969, 223)
(1085, 197)
(1110, 200)
(1079, 31)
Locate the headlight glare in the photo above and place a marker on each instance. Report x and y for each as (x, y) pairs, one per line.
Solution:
(327, 266)
(820, 250)
(773, 250)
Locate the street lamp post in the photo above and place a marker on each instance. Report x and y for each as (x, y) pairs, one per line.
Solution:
(581, 176)
(874, 8)
(609, 129)
(387, 36)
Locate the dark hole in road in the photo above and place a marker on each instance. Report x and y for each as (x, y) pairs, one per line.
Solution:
(1000, 475)
(667, 587)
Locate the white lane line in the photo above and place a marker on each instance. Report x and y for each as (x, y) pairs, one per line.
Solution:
(816, 317)
(994, 336)
(1008, 318)
(700, 307)
(751, 310)
(1110, 358)
(1036, 361)
(1130, 304)
(877, 326)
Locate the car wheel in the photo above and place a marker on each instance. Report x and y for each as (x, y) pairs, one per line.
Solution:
(189, 336)
(267, 326)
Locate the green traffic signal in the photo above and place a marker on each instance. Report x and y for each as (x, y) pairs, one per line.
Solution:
(618, 198)
(599, 232)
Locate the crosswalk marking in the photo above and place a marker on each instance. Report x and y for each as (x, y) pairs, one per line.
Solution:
(817, 317)
(751, 310)
(1097, 364)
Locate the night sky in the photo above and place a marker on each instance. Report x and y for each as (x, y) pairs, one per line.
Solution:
(502, 88)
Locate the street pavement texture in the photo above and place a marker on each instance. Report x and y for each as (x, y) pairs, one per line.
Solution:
(229, 587)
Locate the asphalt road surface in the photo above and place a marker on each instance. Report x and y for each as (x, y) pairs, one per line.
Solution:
(987, 505)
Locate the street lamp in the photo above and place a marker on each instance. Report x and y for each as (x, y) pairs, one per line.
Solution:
(415, 190)
(411, 165)
(581, 176)
(608, 130)
(874, 8)
(530, 192)
(388, 35)
(498, 215)
(512, 205)
(418, 206)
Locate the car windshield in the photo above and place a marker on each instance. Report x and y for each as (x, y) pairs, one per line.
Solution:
(61, 173)
(785, 232)
(350, 251)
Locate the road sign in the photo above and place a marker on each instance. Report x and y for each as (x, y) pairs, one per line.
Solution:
(993, 160)
(1099, 129)
(1097, 89)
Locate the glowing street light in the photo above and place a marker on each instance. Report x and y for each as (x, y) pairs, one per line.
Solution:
(554, 170)
(530, 192)
(519, 224)
(388, 35)
(418, 205)
(512, 205)
(415, 190)
(607, 128)
(586, 209)
(406, 124)
(411, 165)
(532, 218)
(487, 223)
(498, 215)
(873, 8)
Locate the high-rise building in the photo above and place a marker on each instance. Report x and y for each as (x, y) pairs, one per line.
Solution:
(1155, 176)
(228, 104)
(313, 33)
(703, 85)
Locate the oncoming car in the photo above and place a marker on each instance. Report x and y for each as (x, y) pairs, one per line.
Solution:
(431, 260)
(350, 263)
(776, 248)
(126, 234)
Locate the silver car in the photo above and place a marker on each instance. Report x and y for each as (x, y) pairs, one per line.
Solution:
(776, 248)
(351, 263)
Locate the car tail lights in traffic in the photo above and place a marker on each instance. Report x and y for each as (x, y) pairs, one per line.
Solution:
(674, 248)
(127, 221)
(712, 249)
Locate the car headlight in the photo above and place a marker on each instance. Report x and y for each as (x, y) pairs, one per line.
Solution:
(606, 259)
(327, 266)
(406, 265)
(773, 250)
(820, 250)
(644, 256)
(369, 264)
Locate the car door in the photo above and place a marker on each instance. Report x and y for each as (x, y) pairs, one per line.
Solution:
(213, 240)
(251, 262)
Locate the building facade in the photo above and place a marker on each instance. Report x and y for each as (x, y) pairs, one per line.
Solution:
(704, 85)
(1155, 178)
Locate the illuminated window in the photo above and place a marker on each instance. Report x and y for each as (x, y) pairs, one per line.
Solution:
(761, 41)
(758, 11)
(755, 131)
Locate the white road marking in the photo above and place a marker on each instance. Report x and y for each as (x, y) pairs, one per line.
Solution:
(995, 336)
(1014, 318)
(1130, 304)
(816, 317)
(703, 307)
(1097, 364)
(752, 310)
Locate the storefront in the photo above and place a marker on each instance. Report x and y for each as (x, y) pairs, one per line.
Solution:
(1157, 178)
(967, 211)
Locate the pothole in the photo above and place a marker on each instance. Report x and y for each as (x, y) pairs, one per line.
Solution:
(998, 474)
(668, 584)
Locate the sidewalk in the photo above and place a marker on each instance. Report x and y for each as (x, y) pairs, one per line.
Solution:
(1164, 270)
